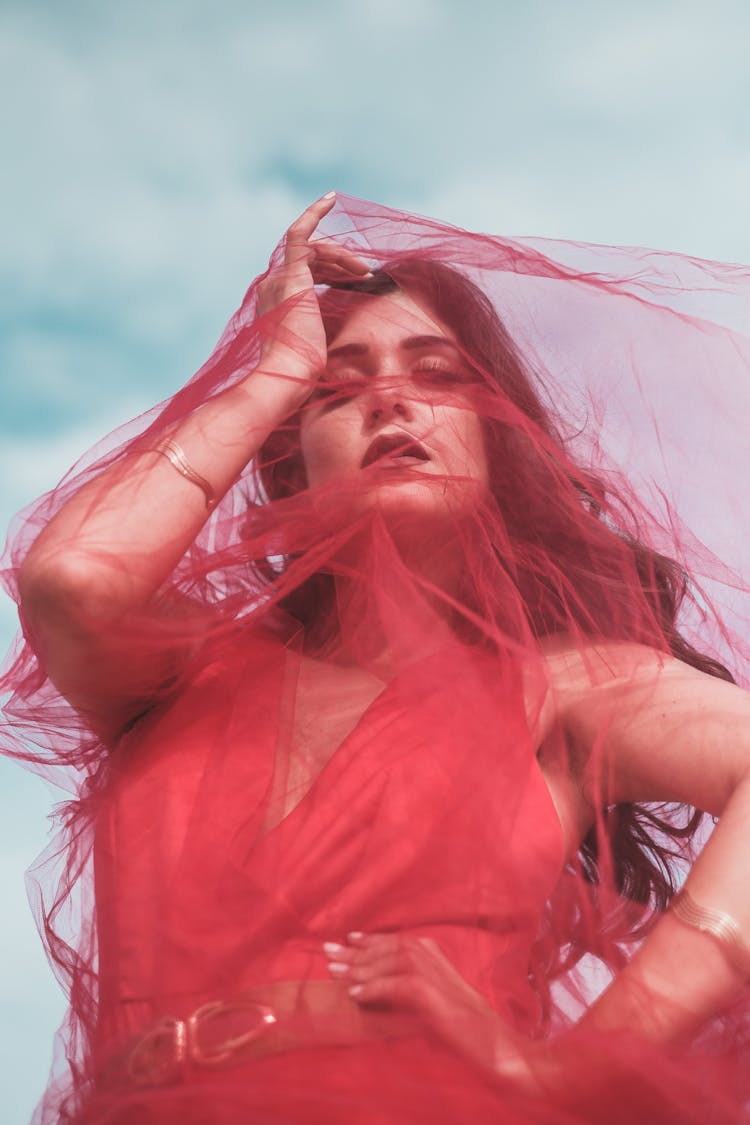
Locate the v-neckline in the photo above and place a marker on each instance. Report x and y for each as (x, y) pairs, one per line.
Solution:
(289, 737)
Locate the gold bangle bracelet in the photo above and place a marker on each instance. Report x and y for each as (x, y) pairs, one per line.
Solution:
(719, 925)
(175, 454)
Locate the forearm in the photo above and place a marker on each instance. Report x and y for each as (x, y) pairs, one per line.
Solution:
(681, 976)
(123, 533)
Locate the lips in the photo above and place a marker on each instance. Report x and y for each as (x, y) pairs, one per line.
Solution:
(394, 447)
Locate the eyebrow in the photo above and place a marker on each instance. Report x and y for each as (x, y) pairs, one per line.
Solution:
(410, 343)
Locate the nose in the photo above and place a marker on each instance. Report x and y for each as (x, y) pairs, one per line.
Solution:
(384, 403)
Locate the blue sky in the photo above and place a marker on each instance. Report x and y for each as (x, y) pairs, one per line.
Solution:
(154, 152)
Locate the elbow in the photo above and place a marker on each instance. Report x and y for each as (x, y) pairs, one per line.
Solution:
(68, 589)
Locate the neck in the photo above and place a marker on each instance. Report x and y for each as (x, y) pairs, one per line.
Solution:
(393, 599)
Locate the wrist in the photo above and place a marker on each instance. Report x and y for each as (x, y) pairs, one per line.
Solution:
(722, 927)
(517, 1061)
(277, 391)
(272, 396)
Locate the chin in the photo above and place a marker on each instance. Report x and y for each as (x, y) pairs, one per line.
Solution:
(416, 510)
(431, 501)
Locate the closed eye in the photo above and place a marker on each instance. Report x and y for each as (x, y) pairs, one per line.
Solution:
(435, 370)
(335, 392)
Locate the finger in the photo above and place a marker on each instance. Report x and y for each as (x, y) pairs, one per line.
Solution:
(389, 954)
(331, 273)
(300, 270)
(398, 991)
(381, 944)
(375, 944)
(378, 955)
(338, 271)
(356, 970)
(374, 955)
(360, 948)
(337, 953)
(302, 228)
(387, 965)
(398, 942)
(328, 252)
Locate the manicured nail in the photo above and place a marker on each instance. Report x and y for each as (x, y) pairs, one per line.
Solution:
(329, 195)
(337, 968)
(356, 989)
(355, 935)
(333, 949)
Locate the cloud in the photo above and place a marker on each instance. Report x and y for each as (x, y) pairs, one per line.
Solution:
(155, 151)
(170, 147)
(32, 466)
(31, 1004)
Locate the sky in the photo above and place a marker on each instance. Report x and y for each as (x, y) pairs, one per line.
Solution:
(155, 151)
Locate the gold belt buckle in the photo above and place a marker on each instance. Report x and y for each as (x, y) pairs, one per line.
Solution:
(162, 1053)
(159, 1055)
(224, 1049)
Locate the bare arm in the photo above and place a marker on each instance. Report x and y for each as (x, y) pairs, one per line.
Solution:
(102, 558)
(658, 730)
(106, 553)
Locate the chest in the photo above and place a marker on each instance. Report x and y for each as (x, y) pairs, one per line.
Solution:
(322, 704)
(325, 702)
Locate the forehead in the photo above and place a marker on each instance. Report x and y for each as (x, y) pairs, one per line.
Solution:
(388, 319)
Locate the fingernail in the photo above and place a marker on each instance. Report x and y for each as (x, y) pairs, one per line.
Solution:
(333, 949)
(355, 935)
(355, 989)
(337, 968)
(329, 195)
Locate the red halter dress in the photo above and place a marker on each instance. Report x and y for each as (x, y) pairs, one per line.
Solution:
(205, 859)
(431, 817)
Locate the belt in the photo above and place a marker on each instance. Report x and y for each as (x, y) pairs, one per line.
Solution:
(268, 1020)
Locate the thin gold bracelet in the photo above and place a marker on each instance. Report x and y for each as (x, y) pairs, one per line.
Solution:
(719, 925)
(175, 454)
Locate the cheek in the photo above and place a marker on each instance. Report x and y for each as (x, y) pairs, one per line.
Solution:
(467, 448)
(327, 448)
(480, 451)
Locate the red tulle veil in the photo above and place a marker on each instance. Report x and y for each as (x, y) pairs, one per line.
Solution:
(193, 862)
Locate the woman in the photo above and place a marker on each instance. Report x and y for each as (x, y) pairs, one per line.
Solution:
(372, 661)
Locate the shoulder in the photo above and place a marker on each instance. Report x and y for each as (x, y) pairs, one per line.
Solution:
(568, 675)
(231, 671)
(654, 727)
(588, 665)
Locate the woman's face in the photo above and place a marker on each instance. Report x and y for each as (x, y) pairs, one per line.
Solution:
(394, 409)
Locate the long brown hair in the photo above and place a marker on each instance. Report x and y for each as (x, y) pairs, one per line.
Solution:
(543, 495)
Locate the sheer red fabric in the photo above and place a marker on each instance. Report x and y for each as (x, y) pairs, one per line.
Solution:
(285, 784)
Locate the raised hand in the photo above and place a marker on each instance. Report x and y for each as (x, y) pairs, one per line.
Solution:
(294, 350)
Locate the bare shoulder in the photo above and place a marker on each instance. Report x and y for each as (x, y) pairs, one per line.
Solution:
(571, 675)
(574, 667)
(655, 727)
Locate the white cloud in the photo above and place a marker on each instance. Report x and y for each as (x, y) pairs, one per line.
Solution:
(161, 154)
(155, 151)
(31, 1002)
(652, 60)
(32, 466)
